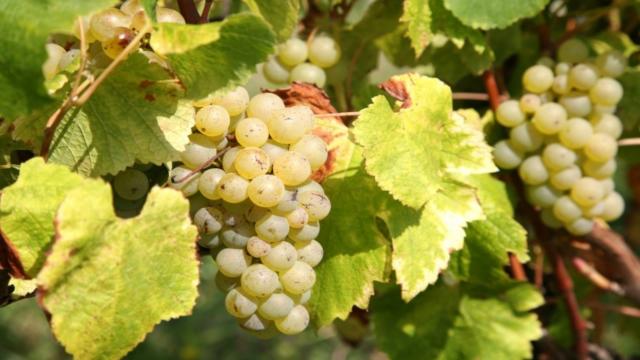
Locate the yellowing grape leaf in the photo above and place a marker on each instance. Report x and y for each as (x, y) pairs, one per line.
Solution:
(216, 55)
(414, 151)
(482, 14)
(281, 15)
(109, 281)
(27, 209)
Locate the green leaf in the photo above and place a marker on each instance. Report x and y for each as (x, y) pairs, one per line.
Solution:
(25, 26)
(355, 251)
(629, 106)
(481, 14)
(421, 146)
(457, 323)
(22, 287)
(281, 15)
(134, 115)
(108, 281)
(27, 209)
(213, 56)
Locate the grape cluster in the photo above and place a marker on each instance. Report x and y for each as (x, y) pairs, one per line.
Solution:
(261, 211)
(290, 63)
(563, 137)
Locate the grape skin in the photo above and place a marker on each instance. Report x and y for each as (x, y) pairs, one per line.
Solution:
(573, 51)
(532, 171)
(292, 52)
(324, 51)
(550, 118)
(308, 73)
(509, 114)
(525, 138)
(537, 79)
(601, 147)
(131, 184)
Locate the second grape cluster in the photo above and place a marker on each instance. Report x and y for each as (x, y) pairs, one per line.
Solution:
(563, 137)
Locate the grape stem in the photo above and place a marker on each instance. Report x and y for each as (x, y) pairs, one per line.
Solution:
(189, 11)
(629, 142)
(204, 17)
(596, 277)
(338, 114)
(203, 166)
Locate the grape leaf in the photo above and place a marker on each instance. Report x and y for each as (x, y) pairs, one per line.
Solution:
(628, 108)
(281, 15)
(108, 281)
(422, 142)
(27, 209)
(213, 56)
(22, 287)
(481, 14)
(458, 323)
(355, 252)
(25, 27)
(133, 115)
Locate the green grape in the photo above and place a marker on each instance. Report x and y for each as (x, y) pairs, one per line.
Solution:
(234, 101)
(561, 85)
(212, 120)
(68, 58)
(606, 91)
(274, 149)
(297, 218)
(611, 63)
(594, 210)
(208, 183)
(131, 7)
(281, 257)
(263, 106)
(166, 15)
(525, 138)
(292, 168)
(550, 118)
(587, 192)
(532, 171)
(257, 247)
(529, 103)
(288, 202)
(177, 180)
(265, 190)
(562, 68)
(557, 157)
(295, 322)
(255, 212)
(275, 72)
(86, 29)
(276, 306)
(289, 125)
(272, 228)
(310, 185)
(546, 61)
(306, 233)
(576, 104)
(232, 188)
(537, 79)
(566, 210)
(310, 252)
(114, 47)
(103, 25)
(583, 76)
(601, 147)
(229, 159)
(199, 150)
(509, 114)
(602, 109)
(324, 51)
(256, 325)
(252, 162)
(238, 235)
(208, 220)
(573, 51)
(565, 178)
(542, 195)
(607, 185)
(260, 281)
(613, 207)
(313, 148)
(252, 132)
(209, 241)
(239, 304)
(233, 262)
(299, 278)
(576, 133)
(600, 170)
(580, 226)
(607, 124)
(315, 203)
(51, 66)
(547, 217)
(308, 73)
(131, 184)
(292, 52)
(138, 21)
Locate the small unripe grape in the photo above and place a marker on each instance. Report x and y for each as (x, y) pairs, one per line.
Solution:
(239, 304)
(292, 52)
(580, 226)
(166, 15)
(611, 63)
(103, 25)
(51, 67)
(266, 190)
(281, 257)
(550, 118)
(252, 162)
(600, 170)
(509, 113)
(234, 101)
(565, 178)
(276, 306)
(233, 262)
(562, 68)
(532, 171)
(299, 278)
(232, 188)
(607, 124)
(257, 247)
(613, 207)
(587, 192)
(275, 72)
(566, 210)
(557, 157)
(529, 103)
(547, 217)
(310, 252)
(307, 233)
(537, 79)
(308, 73)
(324, 51)
(208, 183)
(606, 91)
(561, 85)
(208, 220)
(315, 203)
(131, 184)
(583, 76)
(187, 187)
(272, 228)
(576, 133)
(313, 148)
(292, 168)
(295, 322)
(260, 281)
(576, 104)
(542, 195)
(525, 138)
(573, 51)
(212, 120)
(263, 106)
(198, 151)
(601, 147)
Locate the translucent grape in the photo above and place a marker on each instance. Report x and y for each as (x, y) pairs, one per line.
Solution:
(583, 76)
(212, 120)
(234, 101)
(299, 278)
(613, 207)
(601, 147)
(272, 228)
(606, 91)
(292, 168)
(600, 170)
(557, 157)
(532, 171)
(177, 180)
(138, 21)
(529, 103)
(566, 210)
(130, 7)
(550, 118)
(573, 51)
(565, 178)
(537, 79)
(594, 210)
(580, 226)
(257, 247)
(576, 133)
(266, 190)
(252, 162)
(240, 305)
(562, 68)
(232, 188)
(276, 306)
(55, 53)
(542, 195)
(198, 151)
(289, 125)
(122, 38)
(256, 325)
(561, 85)
(295, 322)
(576, 104)
(238, 235)
(310, 252)
(288, 202)
(324, 51)
(509, 113)
(208, 183)
(281, 257)
(260, 281)
(131, 184)
(313, 148)
(587, 192)
(297, 218)
(292, 52)
(166, 15)
(607, 124)
(306, 233)
(308, 73)
(525, 138)
(611, 63)
(263, 106)
(103, 24)
(208, 220)
(275, 72)
(315, 203)
(547, 217)
(310, 185)
(233, 262)
(229, 159)
(252, 132)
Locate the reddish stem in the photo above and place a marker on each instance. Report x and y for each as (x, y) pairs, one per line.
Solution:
(204, 18)
(517, 270)
(491, 85)
(189, 11)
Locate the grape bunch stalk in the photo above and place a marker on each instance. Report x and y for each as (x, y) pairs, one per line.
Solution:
(290, 63)
(563, 137)
(247, 172)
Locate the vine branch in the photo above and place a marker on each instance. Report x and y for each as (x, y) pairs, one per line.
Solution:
(204, 17)
(189, 11)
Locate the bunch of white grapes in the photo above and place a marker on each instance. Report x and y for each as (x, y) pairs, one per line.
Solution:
(257, 209)
(563, 137)
(290, 63)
